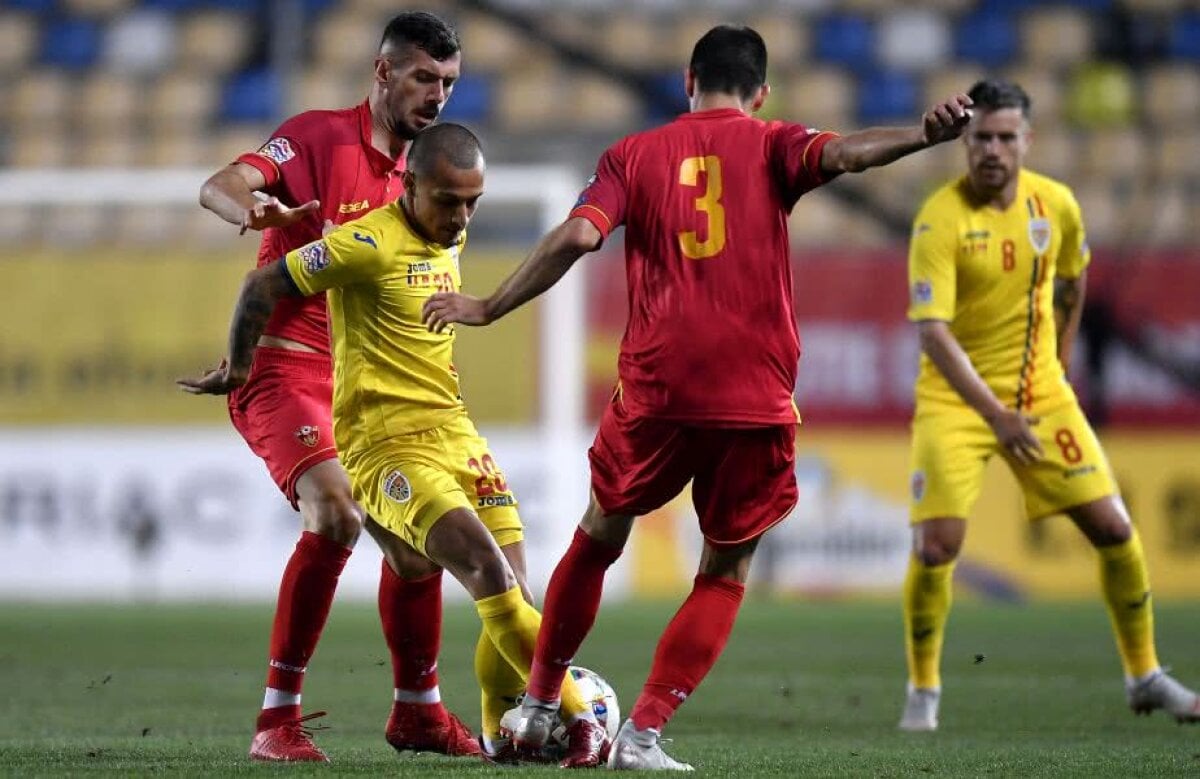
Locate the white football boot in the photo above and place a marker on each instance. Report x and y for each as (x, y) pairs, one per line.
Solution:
(1161, 691)
(921, 709)
(640, 750)
(535, 723)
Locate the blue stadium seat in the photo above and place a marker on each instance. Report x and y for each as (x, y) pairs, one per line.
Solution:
(845, 40)
(72, 43)
(251, 96)
(668, 99)
(245, 6)
(887, 96)
(1185, 37)
(988, 37)
(31, 6)
(172, 5)
(471, 101)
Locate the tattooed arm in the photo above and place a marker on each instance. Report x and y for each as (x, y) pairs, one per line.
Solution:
(1068, 309)
(261, 290)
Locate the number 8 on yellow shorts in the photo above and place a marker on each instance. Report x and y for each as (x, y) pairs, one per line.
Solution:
(951, 447)
(408, 482)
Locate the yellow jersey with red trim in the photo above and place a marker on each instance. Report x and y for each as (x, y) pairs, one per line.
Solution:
(391, 375)
(990, 274)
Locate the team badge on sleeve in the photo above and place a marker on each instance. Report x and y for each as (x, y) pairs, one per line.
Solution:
(278, 150)
(1039, 234)
(922, 292)
(396, 487)
(918, 485)
(315, 257)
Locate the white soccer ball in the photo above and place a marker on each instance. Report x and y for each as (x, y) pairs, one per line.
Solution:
(596, 691)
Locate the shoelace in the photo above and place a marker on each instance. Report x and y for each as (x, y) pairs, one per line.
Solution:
(308, 730)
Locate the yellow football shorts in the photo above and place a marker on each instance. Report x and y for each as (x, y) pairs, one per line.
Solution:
(951, 447)
(409, 482)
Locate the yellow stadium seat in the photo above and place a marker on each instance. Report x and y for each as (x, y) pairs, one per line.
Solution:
(18, 41)
(1171, 96)
(214, 42)
(150, 225)
(1164, 217)
(788, 42)
(599, 103)
(816, 221)
(1102, 213)
(1176, 157)
(1055, 153)
(107, 102)
(42, 99)
(234, 140)
(347, 43)
(1056, 36)
(958, 77)
(1118, 155)
(317, 88)
(109, 150)
(39, 147)
(491, 45)
(823, 98)
(530, 101)
(77, 224)
(96, 8)
(180, 101)
(180, 149)
(637, 41)
(683, 32)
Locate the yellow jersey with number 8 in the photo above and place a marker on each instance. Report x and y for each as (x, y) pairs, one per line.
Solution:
(990, 274)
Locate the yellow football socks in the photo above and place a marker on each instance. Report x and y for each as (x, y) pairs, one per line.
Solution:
(928, 593)
(512, 625)
(1126, 584)
(499, 684)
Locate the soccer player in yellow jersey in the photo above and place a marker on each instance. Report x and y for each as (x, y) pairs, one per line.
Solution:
(416, 463)
(997, 267)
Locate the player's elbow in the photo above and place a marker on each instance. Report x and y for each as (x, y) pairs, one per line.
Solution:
(839, 157)
(579, 236)
(932, 335)
(210, 190)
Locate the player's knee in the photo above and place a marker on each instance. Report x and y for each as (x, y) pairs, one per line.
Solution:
(484, 574)
(333, 514)
(936, 552)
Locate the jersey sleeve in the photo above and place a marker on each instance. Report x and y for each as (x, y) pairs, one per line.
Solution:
(285, 152)
(1074, 254)
(795, 152)
(348, 255)
(932, 275)
(603, 200)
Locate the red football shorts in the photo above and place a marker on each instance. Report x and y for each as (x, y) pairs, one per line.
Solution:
(285, 413)
(743, 479)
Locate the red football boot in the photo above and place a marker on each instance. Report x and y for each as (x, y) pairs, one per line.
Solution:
(429, 727)
(587, 745)
(289, 742)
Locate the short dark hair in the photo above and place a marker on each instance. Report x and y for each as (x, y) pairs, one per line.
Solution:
(994, 94)
(730, 58)
(427, 32)
(456, 143)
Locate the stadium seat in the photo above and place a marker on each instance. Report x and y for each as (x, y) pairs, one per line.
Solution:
(77, 224)
(147, 225)
(347, 43)
(180, 149)
(96, 9)
(71, 43)
(824, 98)
(913, 40)
(1176, 157)
(19, 225)
(887, 96)
(316, 88)
(1118, 155)
(181, 102)
(1185, 36)
(955, 78)
(214, 42)
(1045, 90)
(788, 43)
(251, 96)
(108, 102)
(1102, 214)
(472, 103)
(31, 6)
(597, 103)
(1054, 37)
(636, 40)
(41, 99)
(844, 40)
(685, 31)
(1164, 216)
(530, 100)
(108, 150)
(817, 221)
(235, 139)
(202, 229)
(1054, 152)
(38, 147)
(987, 37)
(18, 37)
(141, 42)
(1102, 95)
(1171, 96)
(491, 45)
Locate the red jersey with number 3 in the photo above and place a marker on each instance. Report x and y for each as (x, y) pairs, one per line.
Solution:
(325, 156)
(712, 336)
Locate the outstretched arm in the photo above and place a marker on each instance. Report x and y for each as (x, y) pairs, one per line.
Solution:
(878, 146)
(1011, 427)
(550, 260)
(1068, 311)
(230, 194)
(261, 290)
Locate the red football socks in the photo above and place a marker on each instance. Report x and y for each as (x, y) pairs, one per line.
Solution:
(411, 613)
(688, 648)
(305, 595)
(572, 602)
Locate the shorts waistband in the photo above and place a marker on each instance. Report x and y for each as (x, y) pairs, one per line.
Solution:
(273, 355)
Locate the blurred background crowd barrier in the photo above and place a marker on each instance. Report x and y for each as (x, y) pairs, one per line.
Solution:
(114, 485)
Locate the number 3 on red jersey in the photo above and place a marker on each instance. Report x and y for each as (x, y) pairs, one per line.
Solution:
(709, 203)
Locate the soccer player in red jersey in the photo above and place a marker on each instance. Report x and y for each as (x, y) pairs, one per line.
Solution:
(318, 167)
(708, 362)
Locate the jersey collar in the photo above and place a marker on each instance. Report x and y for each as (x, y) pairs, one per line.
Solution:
(380, 162)
(713, 113)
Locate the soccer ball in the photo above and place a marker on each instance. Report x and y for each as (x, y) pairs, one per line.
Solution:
(596, 691)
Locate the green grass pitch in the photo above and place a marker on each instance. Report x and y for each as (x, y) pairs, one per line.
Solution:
(803, 690)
